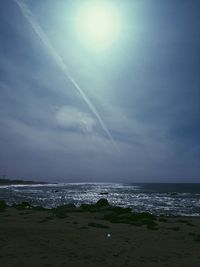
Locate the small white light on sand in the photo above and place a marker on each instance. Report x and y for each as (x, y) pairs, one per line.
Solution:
(108, 235)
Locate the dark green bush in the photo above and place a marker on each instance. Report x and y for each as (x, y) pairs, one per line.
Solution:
(197, 238)
(182, 221)
(61, 215)
(102, 202)
(162, 220)
(131, 218)
(98, 225)
(175, 228)
(61, 211)
(3, 205)
(22, 206)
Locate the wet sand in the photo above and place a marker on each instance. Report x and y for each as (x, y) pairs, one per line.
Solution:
(38, 238)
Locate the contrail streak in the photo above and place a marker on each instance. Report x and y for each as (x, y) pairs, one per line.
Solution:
(59, 61)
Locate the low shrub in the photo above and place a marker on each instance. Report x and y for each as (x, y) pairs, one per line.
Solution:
(162, 220)
(137, 219)
(197, 238)
(22, 206)
(3, 205)
(98, 225)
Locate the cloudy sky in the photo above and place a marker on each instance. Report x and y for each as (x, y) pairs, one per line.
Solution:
(124, 107)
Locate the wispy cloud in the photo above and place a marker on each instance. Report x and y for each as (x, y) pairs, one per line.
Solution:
(59, 61)
(71, 117)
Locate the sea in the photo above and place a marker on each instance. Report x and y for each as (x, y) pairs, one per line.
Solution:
(156, 198)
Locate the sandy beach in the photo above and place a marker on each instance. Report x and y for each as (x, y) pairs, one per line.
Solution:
(39, 238)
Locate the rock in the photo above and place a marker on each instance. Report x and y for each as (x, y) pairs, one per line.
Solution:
(102, 203)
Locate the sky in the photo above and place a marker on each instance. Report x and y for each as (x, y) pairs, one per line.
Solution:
(124, 108)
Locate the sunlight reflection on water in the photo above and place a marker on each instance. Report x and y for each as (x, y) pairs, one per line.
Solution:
(139, 197)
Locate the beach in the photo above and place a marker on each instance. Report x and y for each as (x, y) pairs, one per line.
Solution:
(38, 238)
(100, 133)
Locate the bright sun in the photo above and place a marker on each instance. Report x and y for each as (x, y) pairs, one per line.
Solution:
(97, 24)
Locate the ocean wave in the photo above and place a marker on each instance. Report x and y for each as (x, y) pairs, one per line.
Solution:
(139, 198)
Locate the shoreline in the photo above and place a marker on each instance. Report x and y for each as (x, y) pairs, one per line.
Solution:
(75, 208)
(167, 200)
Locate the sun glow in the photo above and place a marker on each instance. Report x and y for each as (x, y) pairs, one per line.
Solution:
(97, 24)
